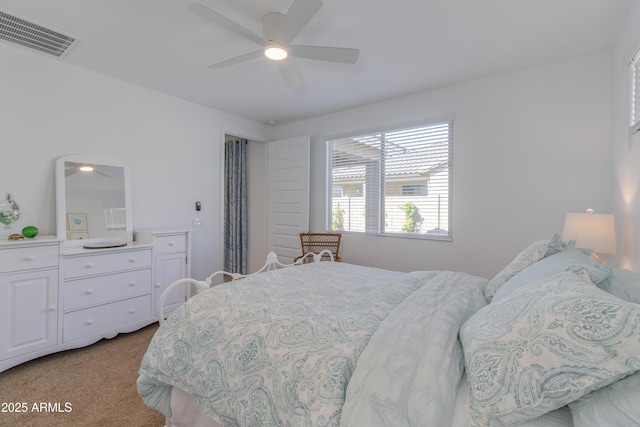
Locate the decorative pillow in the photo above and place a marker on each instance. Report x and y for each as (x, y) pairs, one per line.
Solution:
(533, 253)
(545, 345)
(576, 260)
(625, 284)
(617, 404)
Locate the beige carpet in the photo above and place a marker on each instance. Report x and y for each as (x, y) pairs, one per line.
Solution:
(93, 386)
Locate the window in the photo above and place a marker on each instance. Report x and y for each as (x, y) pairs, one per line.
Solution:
(396, 182)
(415, 190)
(634, 66)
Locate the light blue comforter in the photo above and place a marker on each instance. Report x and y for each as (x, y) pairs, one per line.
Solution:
(280, 348)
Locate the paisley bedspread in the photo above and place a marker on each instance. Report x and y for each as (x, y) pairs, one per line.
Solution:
(279, 348)
(409, 373)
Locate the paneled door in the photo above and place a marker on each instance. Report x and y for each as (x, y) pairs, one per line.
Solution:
(29, 314)
(288, 195)
(168, 269)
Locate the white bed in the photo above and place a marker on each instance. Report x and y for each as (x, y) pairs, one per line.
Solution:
(333, 344)
(187, 413)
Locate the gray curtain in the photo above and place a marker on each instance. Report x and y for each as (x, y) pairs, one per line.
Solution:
(235, 206)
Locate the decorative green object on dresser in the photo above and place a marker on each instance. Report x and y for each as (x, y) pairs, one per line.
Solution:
(30, 231)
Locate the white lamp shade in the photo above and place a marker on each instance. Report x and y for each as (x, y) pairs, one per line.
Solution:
(591, 231)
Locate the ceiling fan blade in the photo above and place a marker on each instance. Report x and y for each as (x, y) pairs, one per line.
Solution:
(324, 53)
(238, 59)
(298, 15)
(225, 22)
(290, 74)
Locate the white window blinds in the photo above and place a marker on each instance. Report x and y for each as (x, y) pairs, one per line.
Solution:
(635, 92)
(115, 217)
(396, 182)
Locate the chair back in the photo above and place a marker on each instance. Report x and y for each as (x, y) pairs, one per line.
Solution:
(317, 242)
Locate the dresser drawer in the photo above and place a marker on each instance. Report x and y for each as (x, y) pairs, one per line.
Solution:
(89, 265)
(94, 320)
(28, 258)
(168, 244)
(102, 289)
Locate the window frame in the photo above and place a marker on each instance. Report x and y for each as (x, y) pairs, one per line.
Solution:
(383, 181)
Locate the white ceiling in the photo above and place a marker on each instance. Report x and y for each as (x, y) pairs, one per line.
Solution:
(406, 46)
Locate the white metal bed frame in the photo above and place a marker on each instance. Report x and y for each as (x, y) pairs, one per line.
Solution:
(271, 264)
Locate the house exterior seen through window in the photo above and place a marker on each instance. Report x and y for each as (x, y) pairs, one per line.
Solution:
(396, 182)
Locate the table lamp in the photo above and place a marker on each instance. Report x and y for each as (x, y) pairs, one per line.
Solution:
(593, 231)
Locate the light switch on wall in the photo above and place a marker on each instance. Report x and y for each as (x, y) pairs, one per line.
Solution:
(196, 222)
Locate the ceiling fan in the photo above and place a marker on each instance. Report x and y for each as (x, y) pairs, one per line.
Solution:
(278, 31)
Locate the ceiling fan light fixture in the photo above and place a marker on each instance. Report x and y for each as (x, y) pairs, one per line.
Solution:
(275, 52)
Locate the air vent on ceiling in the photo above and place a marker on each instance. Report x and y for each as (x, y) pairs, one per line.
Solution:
(35, 36)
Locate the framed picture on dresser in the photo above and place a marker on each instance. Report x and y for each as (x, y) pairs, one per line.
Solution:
(77, 222)
(78, 235)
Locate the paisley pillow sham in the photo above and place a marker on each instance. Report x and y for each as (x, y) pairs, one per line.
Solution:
(546, 345)
(531, 254)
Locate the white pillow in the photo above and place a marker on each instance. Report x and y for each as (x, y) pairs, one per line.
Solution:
(531, 254)
(617, 405)
(576, 260)
(545, 345)
(625, 284)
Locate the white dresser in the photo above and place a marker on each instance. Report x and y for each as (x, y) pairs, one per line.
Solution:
(55, 297)
(29, 313)
(106, 291)
(171, 262)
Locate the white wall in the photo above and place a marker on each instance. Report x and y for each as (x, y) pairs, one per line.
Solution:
(626, 151)
(529, 146)
(49, 108)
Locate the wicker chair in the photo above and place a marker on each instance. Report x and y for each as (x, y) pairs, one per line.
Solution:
(317, 242)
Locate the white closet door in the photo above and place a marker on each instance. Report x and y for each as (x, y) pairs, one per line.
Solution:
(288, 196)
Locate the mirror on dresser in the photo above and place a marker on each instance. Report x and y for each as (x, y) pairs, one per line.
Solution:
(105, 277)
(93, 200)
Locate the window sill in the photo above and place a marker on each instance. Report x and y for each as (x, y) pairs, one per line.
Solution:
(431, 237)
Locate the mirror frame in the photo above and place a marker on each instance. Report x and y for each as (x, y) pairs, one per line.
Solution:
(61, 201)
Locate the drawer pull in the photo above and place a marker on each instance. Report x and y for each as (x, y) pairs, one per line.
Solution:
(132, 260)
(132, 310)
(171, 244)
(29, 258)
(158, 285)
(88, 322)
(132, 283)
(52, 308)
(89, 265)
(89, 291)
